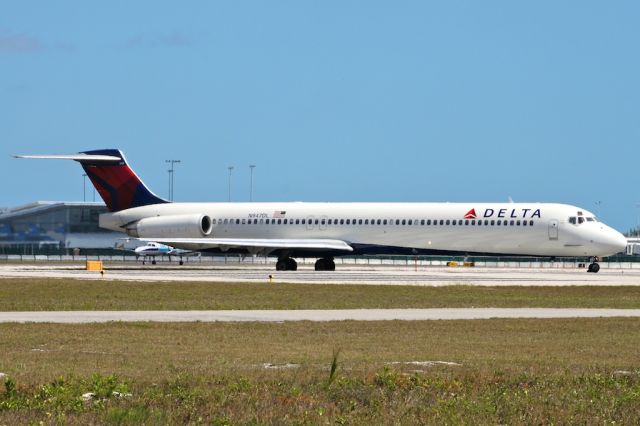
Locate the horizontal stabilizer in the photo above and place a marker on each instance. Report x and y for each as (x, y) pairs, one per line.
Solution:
(75, 157)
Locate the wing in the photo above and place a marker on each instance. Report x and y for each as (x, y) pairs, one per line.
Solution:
(254, 245)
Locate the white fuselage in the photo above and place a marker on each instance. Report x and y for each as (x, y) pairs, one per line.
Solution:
(538, 229)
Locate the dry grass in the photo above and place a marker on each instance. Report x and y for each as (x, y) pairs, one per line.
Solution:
(60, 294)
(513, 371)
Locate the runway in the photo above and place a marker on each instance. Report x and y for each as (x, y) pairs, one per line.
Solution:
(353, 274)
(83, 317)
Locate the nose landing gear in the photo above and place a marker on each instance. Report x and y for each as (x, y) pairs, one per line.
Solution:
(594, 266)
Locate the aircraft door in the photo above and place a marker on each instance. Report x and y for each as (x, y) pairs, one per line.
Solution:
(553, 229)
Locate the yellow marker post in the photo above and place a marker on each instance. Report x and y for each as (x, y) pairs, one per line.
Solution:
(94, 265)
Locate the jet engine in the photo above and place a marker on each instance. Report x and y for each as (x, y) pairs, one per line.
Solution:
(174, 226)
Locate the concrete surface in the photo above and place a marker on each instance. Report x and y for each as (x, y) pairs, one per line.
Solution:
(378, 275)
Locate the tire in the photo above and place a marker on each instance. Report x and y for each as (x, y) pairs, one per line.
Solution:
(292, 265)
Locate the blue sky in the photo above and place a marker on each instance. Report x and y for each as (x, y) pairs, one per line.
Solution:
(332, 100)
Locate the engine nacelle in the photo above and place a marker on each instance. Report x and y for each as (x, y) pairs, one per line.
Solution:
(175, 226)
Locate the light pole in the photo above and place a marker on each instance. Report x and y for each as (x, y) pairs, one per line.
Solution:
(230, 170)
(84, 187)
(638, 220)
(171, 174)
(251, 167)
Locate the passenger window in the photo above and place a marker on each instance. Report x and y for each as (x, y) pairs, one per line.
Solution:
(297, 221)
(530, 223)
(261, 221)
(267, 221)
(518, 223)
(493, 222)
(524, 223)
(499, 223)
(322, 222)
(479, 223)
(441, 221)
(366, 221)
(304, 221)
(473, 222)
(226, 221)
(512, 222)
(316, 221)
(409, 222)
(428, 221)
(466, 222)
(279, 221)
(384, 222)
(448, 222)
(453, 223)
(379, 222)
(237, 221)
(285, 221)
(341, 221)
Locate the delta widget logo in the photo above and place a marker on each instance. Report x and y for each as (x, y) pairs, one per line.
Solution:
(471, 214)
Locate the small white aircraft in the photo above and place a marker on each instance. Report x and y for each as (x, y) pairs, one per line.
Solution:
(328, 230)
(153, 249)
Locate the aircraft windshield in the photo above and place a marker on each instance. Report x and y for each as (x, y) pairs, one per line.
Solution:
(577, 220)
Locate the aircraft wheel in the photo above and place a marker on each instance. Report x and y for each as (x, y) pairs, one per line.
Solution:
(182, 262)
(325, 264)
(593, 267)
(292, 265)
(286, 264)
(153, 262)
(281, 265)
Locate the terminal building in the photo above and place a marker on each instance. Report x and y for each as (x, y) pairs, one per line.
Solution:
(51, 227)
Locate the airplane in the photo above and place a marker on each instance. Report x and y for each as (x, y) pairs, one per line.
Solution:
(292, 230)
(153, 249)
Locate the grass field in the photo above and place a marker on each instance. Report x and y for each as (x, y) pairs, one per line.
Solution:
(567, 371)
(59, 294)
(505, 372)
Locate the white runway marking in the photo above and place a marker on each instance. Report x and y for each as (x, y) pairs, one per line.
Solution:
(81, 317)
(377, 275)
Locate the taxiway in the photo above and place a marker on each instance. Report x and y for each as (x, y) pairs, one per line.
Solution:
(373, 275)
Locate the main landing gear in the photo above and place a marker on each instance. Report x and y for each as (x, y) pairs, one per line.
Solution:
(593, 266)
(286, 264)
(325, 264)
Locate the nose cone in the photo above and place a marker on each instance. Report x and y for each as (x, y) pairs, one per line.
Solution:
(614, 242)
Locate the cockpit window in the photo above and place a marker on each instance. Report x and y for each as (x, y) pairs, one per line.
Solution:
(590, 219)
(581, 219)
(572, 220)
